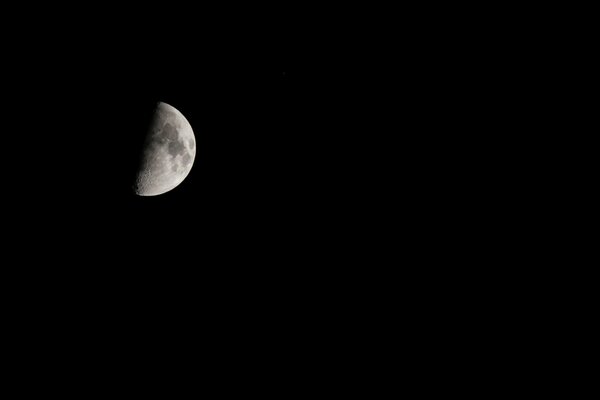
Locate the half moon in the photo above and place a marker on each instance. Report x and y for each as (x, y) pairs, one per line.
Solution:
(168, 152)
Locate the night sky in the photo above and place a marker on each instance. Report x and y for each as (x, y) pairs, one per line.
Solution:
(310, 141)
(355, 196)
(290, 169)
(255, 211)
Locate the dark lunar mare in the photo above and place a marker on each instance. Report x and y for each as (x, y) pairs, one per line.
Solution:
(167, 133)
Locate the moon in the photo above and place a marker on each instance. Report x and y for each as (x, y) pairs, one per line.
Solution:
(168, 153)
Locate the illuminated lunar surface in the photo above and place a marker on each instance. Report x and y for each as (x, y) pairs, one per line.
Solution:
(168, 153)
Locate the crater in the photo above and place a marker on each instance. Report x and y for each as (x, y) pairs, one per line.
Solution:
(192, 144)
(185, 160)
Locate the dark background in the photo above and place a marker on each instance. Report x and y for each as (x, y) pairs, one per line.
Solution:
(254, 259)
(366, 217)
(336, 183)
(319, 145)
(270, 208)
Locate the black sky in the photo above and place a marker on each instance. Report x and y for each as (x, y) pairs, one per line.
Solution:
(341, 186)
(257, 195)
(288, 166)
(304, 168)
(356, 194)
